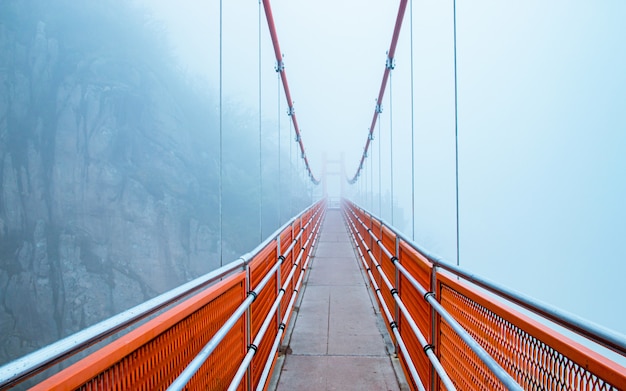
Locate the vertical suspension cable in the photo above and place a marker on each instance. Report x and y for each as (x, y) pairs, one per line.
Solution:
(260, 138)
(298, 174)
(291, 184)
(364, 172)
(391, 138)
(412, 127)
(456, 137)
(380, 172)
(372, 181)
(361, 198)
(221, 228)
(280, 174)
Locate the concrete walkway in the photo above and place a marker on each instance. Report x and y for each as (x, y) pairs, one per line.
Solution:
(336, 343)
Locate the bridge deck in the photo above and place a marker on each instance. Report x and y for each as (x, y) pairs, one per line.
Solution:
(338, 339)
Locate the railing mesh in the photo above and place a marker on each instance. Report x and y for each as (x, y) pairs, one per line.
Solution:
(534, 364)
(153, 360)
(536, 356)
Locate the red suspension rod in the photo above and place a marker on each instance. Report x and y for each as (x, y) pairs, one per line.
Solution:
(280, 68)
(383, 86)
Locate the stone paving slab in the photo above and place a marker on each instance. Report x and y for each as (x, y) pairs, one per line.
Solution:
(336, 342)
(346, 373)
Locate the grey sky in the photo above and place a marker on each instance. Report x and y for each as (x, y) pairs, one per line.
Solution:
(542, 133)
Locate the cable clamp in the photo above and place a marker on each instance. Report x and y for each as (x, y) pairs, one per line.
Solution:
(370, 136)
(393, 325)
(281, 258)
(291, 111)
(281, 290)
(390, 63)
(280, 66)
(281, 326)
(377, 290)
(369, 250)
(379, 108)
(394, 259)
(428, 347)
(428, 294)
(253, 347)
(253, 294)
(394, 291)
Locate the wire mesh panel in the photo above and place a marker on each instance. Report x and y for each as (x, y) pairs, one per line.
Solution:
(417, 307)
(538, 358)
(259, 267)
(153, 355)
(535, 355)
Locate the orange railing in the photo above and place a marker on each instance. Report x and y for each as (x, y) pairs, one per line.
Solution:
(263, 288)
(421, 295)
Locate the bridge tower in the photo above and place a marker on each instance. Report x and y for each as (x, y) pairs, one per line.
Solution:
(334, 189)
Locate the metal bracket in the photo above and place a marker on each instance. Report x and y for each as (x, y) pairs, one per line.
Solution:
(291, 111)
(390, 63)
(379, 108)
(280, 66)
(370, 136)
(297, 139)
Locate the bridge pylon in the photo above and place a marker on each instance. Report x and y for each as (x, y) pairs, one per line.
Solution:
(334, 189)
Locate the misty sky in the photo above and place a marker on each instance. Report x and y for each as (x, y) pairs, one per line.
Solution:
(542, 133)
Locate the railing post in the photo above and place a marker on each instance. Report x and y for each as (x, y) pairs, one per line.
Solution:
(434, 326)
(248, 325)
(278, 279)
(397, 285)
(371, 240)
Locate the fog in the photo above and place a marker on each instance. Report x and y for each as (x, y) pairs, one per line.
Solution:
(541, 131)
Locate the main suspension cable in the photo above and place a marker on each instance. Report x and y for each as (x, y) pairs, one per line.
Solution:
(383, 86)
(279, 60)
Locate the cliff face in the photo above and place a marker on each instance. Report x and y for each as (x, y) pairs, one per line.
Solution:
(108, 189)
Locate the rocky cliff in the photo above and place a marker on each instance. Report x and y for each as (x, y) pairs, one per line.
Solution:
(107, 168)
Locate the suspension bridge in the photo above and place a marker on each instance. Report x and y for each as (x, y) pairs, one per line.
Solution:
(336, 298)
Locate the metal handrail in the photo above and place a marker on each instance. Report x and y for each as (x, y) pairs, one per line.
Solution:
(482, 354)
(33, 363)
(428, 349)
(590, 330)
(191, 369)
(252, 349)
(392, 324)
(281, 329)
